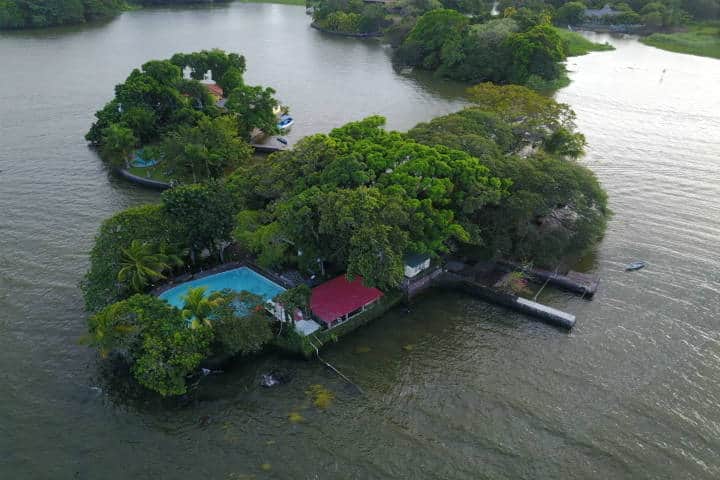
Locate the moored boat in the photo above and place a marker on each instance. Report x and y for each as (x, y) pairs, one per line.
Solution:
(285, 122)
(635, 266)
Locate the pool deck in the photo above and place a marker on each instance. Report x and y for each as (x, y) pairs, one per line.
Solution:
(307, 327)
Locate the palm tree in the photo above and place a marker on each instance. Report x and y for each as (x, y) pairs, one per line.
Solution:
(173, 254)
(198, 308)
(141, 265)
(119, 143)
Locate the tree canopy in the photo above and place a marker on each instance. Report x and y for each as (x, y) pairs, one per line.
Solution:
(153, 339)
(44, 13)
(193, 135)
(554, 206)
(200, 214)
(146, 224)
(360, 198)
(495, 180)
(349, 16)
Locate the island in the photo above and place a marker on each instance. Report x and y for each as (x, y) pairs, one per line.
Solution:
(185, 119)
(301, 248)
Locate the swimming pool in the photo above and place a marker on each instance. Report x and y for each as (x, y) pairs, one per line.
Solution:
(139, 161)
(238, 279)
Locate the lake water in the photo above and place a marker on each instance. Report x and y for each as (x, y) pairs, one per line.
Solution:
(454, 388)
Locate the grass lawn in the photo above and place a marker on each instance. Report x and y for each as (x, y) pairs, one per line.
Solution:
(156, 172)
(576, 44)
(701, 39)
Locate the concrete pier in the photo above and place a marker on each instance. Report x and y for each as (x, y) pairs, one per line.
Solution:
(547, 314)
(575, 282)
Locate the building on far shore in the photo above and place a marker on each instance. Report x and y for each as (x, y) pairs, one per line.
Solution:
(338, 300)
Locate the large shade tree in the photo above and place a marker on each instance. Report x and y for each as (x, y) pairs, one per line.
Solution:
(361, 198)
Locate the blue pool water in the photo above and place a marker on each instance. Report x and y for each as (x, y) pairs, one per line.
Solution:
(139, 161)
(239, 279)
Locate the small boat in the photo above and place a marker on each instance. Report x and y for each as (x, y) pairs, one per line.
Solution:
(285, 122)
(269, 380)
(281, 140)
(635, 266)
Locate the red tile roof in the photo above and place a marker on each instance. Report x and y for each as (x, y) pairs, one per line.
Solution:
(338, 297)
(215, 89)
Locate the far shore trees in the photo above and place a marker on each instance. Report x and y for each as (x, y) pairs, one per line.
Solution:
(349, 16)
(508, 50)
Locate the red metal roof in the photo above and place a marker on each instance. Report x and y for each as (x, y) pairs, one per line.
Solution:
(215, 89)
(331, 300)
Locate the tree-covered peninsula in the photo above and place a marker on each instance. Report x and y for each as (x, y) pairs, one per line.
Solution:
(497, 180)
(461, 40)
(192, 130)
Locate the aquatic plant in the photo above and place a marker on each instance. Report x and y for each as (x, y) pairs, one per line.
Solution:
(321, 396)
(295, 417)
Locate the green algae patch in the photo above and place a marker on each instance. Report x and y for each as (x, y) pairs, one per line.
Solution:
(295, 417)
(321, 396)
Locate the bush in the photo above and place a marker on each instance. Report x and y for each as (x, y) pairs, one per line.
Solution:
(240, 324)
(153, 339)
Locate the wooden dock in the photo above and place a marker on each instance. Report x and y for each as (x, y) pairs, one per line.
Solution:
(576, 282)
(265, 148)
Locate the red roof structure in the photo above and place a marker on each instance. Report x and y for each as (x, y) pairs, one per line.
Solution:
(339, 297)
(215, 89)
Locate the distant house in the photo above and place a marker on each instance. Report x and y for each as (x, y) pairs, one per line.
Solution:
(340, 299)
(606, 11)
(215, 90)
(414, 264)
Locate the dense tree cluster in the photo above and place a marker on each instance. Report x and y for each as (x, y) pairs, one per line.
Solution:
(46, 13)
(43, 13)
(497, 179)
(554, 206)
(360, 199)
(514, 49)
(349, 16)
(195, 136)
(142, 245)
